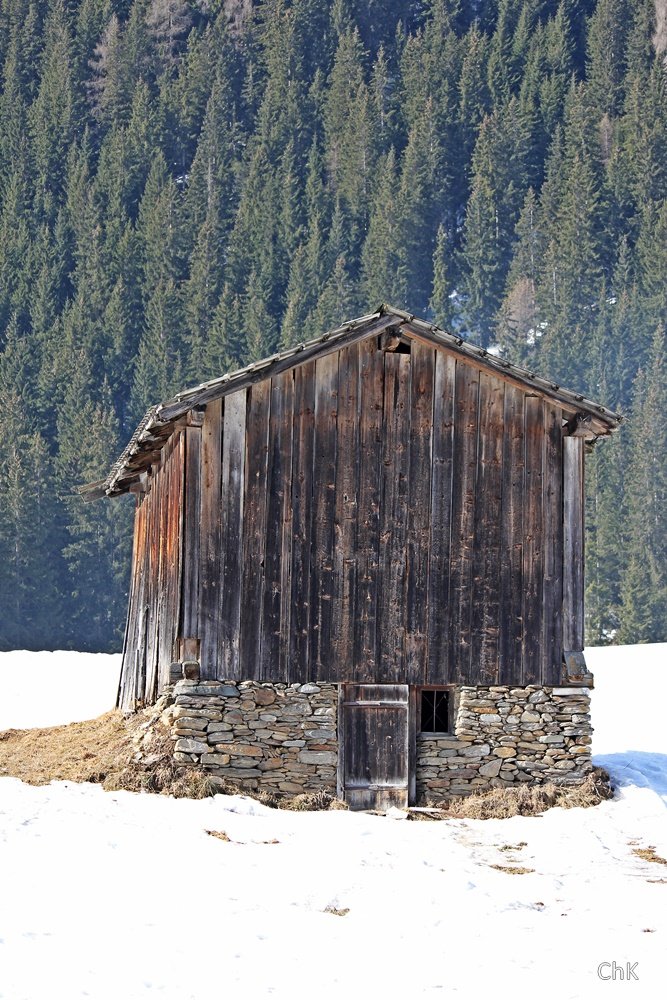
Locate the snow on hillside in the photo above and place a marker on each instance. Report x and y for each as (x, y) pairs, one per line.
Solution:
(117, 896)
(34, 695)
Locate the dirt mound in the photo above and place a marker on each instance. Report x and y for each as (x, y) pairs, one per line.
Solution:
(129, 752)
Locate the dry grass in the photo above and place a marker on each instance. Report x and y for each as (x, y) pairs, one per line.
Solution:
(318, 801)
(648, 854)
(531, 800)
(513, 869)
(102, 751)
(81, 751)
(342, 912)
(219, 835)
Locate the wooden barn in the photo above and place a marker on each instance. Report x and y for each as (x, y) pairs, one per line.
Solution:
(358, 564)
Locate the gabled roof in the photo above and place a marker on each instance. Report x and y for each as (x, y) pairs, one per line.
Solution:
(159, 422)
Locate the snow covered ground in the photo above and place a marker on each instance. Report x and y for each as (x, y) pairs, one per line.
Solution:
(117, 896)
(32, 695)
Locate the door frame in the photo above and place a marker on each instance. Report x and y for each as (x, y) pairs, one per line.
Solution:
(411, 736)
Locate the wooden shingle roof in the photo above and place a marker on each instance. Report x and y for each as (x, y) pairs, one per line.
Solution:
(159, 422)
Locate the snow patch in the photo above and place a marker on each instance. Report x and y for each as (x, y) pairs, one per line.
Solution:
(110, 895)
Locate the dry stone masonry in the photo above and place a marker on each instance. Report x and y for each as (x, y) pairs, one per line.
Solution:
(283, 738)
(506, 735)
(275, 737)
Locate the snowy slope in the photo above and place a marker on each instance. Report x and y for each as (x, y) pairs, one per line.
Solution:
(51, 689)
(116, 896)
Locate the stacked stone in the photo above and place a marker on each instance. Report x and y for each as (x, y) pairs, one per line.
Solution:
(276, 737)
(506, 735)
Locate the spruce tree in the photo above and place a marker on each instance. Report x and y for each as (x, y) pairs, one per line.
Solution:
(644, 581)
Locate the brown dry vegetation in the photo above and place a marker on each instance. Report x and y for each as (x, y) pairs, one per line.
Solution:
(530, 800)
(81, 751)
(513, 869)
(103, 751)
(648, 854)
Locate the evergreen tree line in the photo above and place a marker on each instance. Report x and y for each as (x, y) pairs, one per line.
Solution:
(188, 186)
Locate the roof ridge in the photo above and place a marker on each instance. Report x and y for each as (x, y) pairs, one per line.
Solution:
(162, 416)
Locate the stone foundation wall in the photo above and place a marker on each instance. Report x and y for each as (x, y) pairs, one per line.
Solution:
(283, 738)
(276, 737)
(506, 735)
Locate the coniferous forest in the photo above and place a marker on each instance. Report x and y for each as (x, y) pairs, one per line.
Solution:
(187, 186)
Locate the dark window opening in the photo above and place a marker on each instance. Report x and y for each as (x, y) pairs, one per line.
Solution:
(434, 711)
(393, 343)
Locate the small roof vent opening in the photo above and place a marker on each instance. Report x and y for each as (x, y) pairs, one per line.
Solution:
(394, 343)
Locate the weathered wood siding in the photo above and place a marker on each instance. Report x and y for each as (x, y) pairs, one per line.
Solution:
(369, 517)
(155, 588)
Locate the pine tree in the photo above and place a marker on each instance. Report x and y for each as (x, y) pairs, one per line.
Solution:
(491, 217)
(349, 126)
(383, 260)
(644, 581)
(54, 114)
(606, 55)
(110, 89)
(440, 302)
(96, 550)
(518, 323)
(299, 300)
(28, 557)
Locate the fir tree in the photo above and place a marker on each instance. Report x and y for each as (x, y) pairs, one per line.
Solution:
(644, 581)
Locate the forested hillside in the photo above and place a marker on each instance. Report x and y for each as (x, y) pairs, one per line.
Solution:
(187, 186)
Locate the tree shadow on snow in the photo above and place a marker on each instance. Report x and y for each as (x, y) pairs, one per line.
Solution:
(636, 767)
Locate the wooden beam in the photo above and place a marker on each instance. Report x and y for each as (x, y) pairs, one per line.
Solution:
(191, 537)
(573, 547)
(599, 425)
(170, 411)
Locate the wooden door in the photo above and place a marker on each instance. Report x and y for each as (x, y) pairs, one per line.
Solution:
(374, 746)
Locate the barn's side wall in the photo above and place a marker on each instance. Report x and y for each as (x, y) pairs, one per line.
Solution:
(377, 516)
(284, 739)
(153, 620)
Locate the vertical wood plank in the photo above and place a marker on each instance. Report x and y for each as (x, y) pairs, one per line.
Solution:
(163, 623)
(179, 460)
(275, 610)
(152, 585)
(392, 582)
(371, 395)
(422, 364)
(487, 552)
(139, 690)
(211, 538)
(254, 525)
(163, 577)
(191, 536)
(144, 614)
(510, 647)
(463, 518)
(126, 684)
(573, 548)
(533, 553)
(302, 521)
(324, 498)
(175, 549)
(286, 446)
(345, 515)
(439, 611)
(231, 564)
(552, 594)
